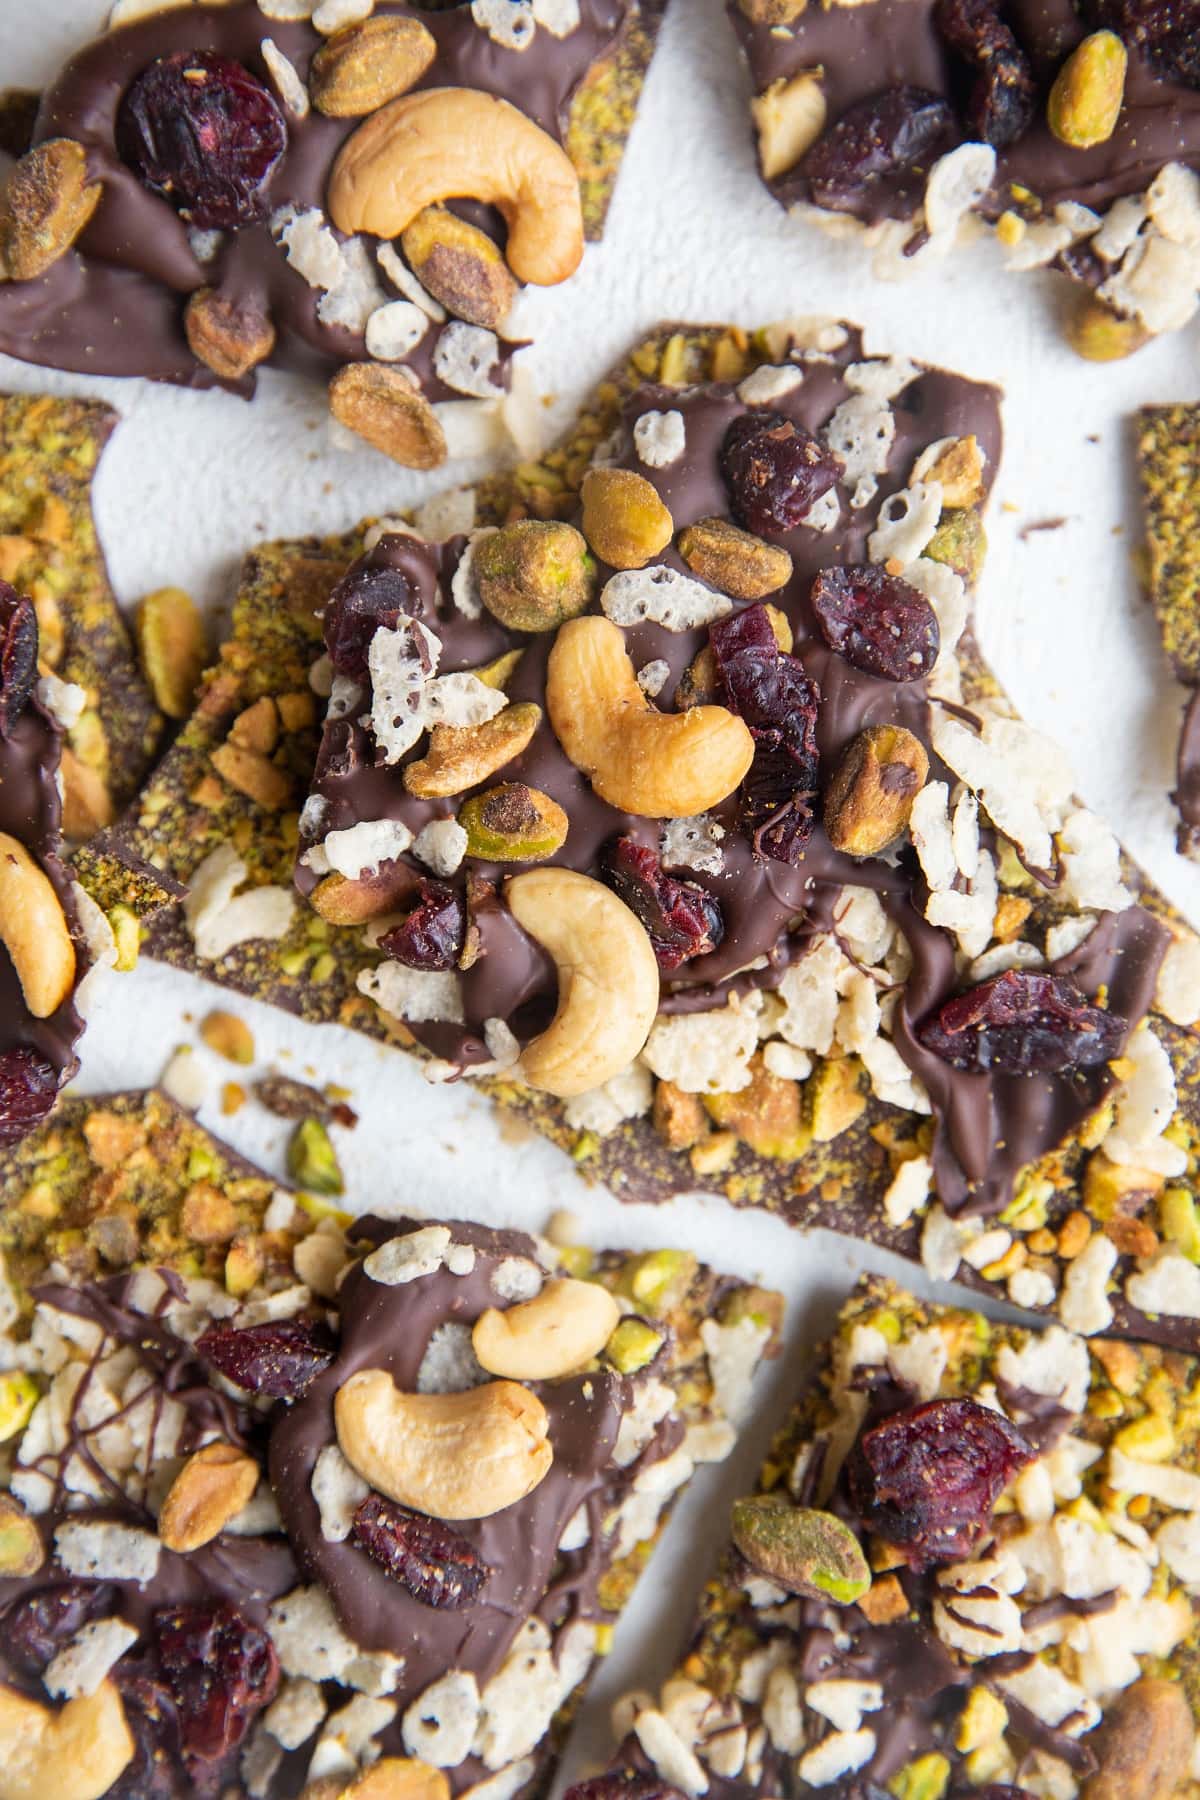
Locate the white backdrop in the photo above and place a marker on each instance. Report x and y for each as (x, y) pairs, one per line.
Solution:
(191, 480)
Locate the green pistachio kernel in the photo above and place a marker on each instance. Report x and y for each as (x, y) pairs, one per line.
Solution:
(1179, 1219)
(534, 574)
(513, 823)
(19, 1394)
(806, 1551)
(22, 1551)
(632, 1345)
(658, 1280)
(959, 542)
(1085, 101)
(311, 1160)
(127, 933)
(925, 1778)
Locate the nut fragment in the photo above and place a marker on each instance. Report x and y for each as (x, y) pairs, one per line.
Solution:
(363, 67)
(535, 574)
(1085, 101)
(1145, 1745)
(789, 117)
(382, 406)
(21, 1549)
(1097, 333)
(803, 1550)
(228, 336)
(395, 1778)
(252, 774)
(513, 823)
(228, 1036)
(873, 788)
(607, 980)
(461, 756)
(46, 205)
(448, 142)
(561, 1329)
(74, 1753)
(34, 931)
(657, 765)
(624, 520)
(740, 564)
(170, 636)
(453, 1456)
(958, 471)
(343, 901)
(212, 1487)
(460, 266)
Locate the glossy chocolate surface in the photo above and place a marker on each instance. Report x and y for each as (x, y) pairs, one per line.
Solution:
(114, 305)
(865, 49)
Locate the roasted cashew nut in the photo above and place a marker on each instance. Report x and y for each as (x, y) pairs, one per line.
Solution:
(459, 143)
(607, 979)
(453, 1456)
(34, 931)
(556, 1332)
(657, 765)
(73, 1754)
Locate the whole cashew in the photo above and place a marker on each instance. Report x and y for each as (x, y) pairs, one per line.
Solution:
(459, 143)
(559, 1330)
(74, 1754)
(33, 929)
(453, 1456)
(657, 765)
(607, 979)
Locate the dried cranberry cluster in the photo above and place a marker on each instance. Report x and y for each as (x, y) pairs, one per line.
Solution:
(364, 600)
(1023, 1023)
(278, 1360)
(682, 919)
(433, 1562)
(779, 702)
(206, 134)
(927, 1479)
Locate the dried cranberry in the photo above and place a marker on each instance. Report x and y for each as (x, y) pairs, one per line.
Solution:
(779, 703)
(1167, 32)
(363, 600)
(433, 934)
(682, 918)
(278, 1360)
(205, 133)
(436, 1565)
(152, 1771)
(1023, 1023)
(36, 1627)
(28, 1090)
(926, 1479)
(885, 137)
(1003, 97)
(622, 1785)
(880, 624)
(775, 471)
(18, 655)
(221, 1669)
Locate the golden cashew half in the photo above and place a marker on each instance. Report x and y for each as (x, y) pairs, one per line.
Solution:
(74, 1754)
(607, 979)
(453, 1456)
(559, 1330)
(459, 143)
(33, 929)
(658, 765)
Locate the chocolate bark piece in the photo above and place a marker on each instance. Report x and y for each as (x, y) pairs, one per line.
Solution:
(1073, 130)
(45, 950)
(1019, 1666)
(821, 1129)
(49, 452)
(459, 1641)
(202, 254)
(1168, 442)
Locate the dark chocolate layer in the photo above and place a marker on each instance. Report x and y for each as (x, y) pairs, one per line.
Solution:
(114, 305)
(862, 50)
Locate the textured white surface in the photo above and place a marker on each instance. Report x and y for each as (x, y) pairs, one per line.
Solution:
(191, 480)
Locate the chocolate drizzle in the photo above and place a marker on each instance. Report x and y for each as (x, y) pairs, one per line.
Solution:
(114, 304)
